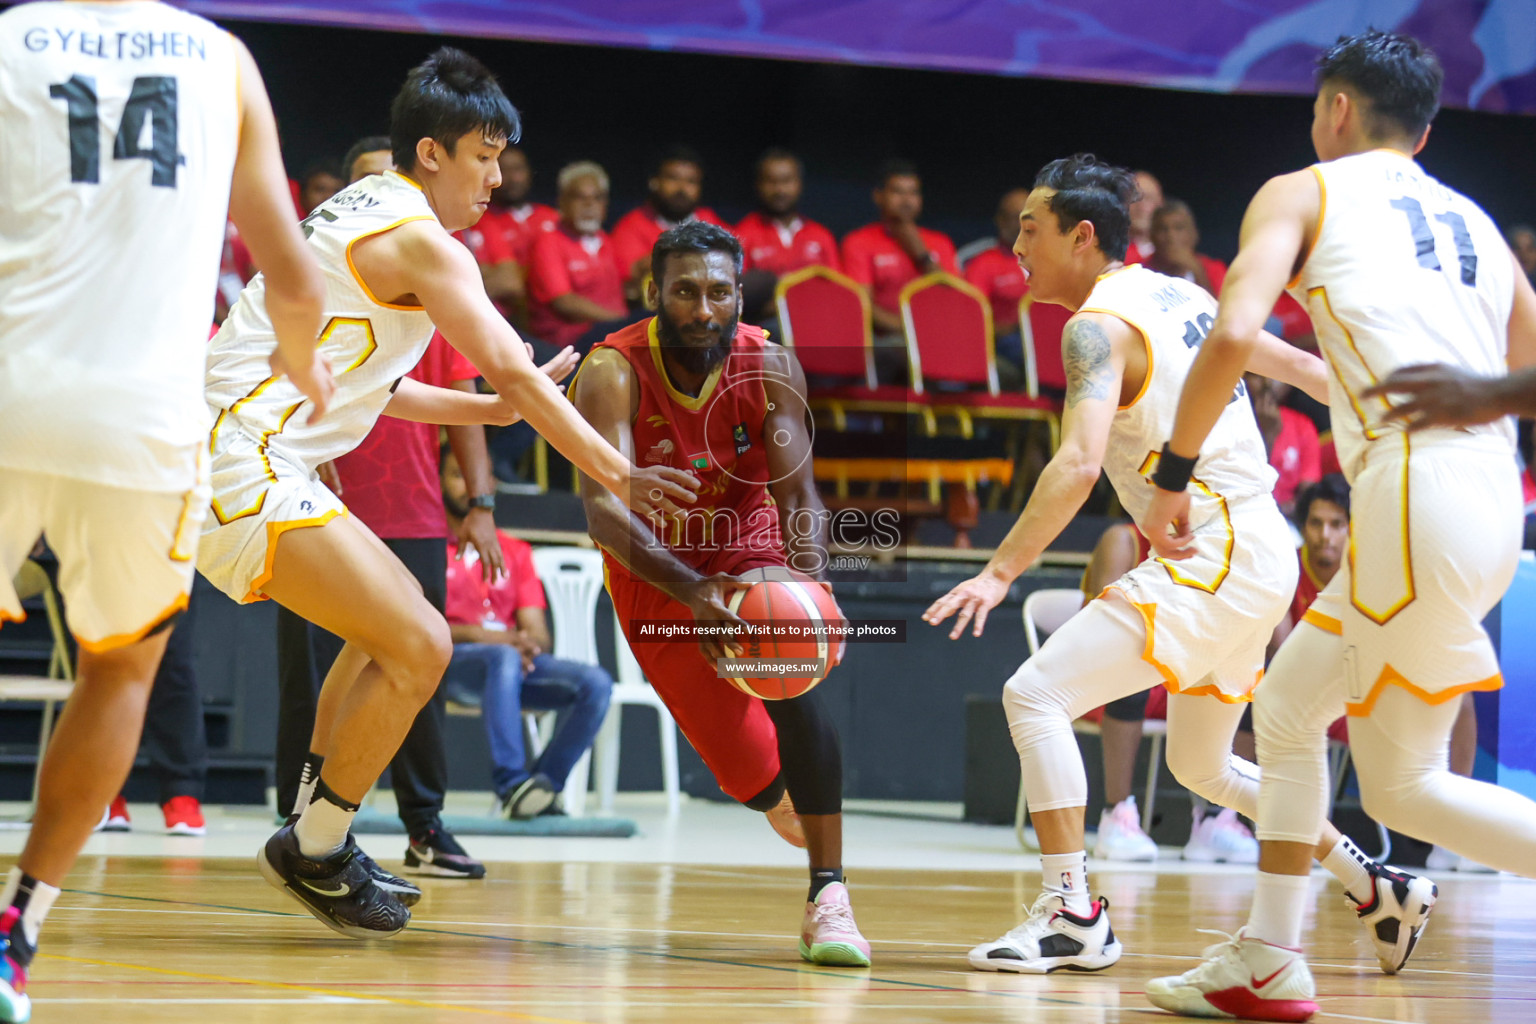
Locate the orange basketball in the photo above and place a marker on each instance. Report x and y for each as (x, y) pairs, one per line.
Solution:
(796, 611)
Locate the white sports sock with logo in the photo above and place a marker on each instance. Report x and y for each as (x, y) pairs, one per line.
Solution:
(1066, 875)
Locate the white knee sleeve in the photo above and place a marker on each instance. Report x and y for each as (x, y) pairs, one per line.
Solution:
(1301, 695)
(1199, 750)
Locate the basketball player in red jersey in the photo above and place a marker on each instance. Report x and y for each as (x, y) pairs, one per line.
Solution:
(690, 387)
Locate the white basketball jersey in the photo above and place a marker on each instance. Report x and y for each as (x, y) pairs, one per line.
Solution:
(1173, 317)
(119, 125)
(1404, 271)
(369, 342)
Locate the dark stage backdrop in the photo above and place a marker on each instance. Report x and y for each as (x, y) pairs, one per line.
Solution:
(974, 136)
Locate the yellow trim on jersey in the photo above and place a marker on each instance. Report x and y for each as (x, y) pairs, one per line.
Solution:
(266, 439)
(121, 640)
(686, 401)
(218, 510)
(1306, 567)
(1148, 467)
(1322, 211)
(1170, 680)
(1381, 618)
(274, 531)
(1326, 623)
(351, 266)
(1392, 677)
(213, 435)
(176, 554)
(354, 321)
(405, 178)
(1146, 341)
(253, 393)
(6, 616)
(1370, 433)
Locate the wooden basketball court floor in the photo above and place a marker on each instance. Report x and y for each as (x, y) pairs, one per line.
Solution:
(188, 934)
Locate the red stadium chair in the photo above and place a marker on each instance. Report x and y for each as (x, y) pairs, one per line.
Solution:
(825, 320)
(1042, 324)
(948, 323)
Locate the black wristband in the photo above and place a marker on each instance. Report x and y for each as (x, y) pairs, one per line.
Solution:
(1173, 471)
(485, 501)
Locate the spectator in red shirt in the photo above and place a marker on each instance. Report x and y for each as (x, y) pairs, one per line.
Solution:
(503, 239)
(574, 278)
(500, 645)
(997, 274)
(675, 188)
(1289, 436)
(369, 155)
(774, 237)
(1176, 238)
(887, 254)
(1151, 197)
(320, 181)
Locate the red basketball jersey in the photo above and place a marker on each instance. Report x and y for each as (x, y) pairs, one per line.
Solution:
(717, 436)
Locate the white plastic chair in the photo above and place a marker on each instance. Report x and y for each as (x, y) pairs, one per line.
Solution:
(52, 689)
(572, 578)
(1045, 611)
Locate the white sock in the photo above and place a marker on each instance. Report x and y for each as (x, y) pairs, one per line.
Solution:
(1066, 874)
(39, 897)
(307, 780)
(1279, 905)
(1347, 863)
(322, 828)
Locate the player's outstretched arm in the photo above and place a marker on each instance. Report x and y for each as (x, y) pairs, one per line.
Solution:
(420, 259)
(1436, 395)
(260, 206)
(463, 407)
(607, 396)
(1279, 360)
(791, 471)
(1093, 347)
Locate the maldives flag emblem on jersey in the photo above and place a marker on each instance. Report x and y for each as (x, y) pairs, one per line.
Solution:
(699, 461)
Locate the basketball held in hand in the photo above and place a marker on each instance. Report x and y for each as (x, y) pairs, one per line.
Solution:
(798, 621)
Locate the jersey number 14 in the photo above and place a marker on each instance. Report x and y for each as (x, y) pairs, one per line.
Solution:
(147, 131)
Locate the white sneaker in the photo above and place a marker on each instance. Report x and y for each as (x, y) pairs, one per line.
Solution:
(1241, 977)
(1221, 838)
(1441, 859)
(1120, 835)
(1396, 914)
(1052, 938)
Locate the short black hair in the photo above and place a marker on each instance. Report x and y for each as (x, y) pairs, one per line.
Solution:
(1089, 189)
(315, 168)
(444, 97)
(1331, 488)
(677, 155)
(694, 236)
(897, 167)
(366, 144)
(1173, 206)
(1397, 74)
(773, 153)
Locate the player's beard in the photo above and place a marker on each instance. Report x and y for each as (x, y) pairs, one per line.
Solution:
(694, 358)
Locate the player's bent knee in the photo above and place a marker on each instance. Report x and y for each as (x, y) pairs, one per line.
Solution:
(421, 655)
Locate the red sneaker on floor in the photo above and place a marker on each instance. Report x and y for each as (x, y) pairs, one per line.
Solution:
(184, 816)
(117, 816)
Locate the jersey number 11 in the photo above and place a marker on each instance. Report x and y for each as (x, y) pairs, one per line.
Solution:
(151, 105)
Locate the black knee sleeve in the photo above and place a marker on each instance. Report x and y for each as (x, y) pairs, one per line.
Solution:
(810, 759)
(769, 798)
(1128, 709)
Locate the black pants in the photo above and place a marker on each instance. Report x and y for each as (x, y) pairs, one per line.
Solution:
(175, 739)
(305, 652)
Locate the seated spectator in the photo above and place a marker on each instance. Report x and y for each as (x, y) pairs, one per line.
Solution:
(995, 271)
(574, 279)
(369, 155)
(1290, 438)
(502, 240)
(500, 637)
(1522, 239)
(1175, 238)
(674, 190)
(894, 250)
(319, 182)
(774, 237)
(1151, 197)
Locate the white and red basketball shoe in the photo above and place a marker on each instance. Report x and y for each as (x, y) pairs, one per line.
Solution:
(1396, 913)
(1241, 977)
(828, 934)
(1052, 938)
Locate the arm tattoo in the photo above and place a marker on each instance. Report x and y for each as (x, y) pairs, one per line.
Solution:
(1089, 373)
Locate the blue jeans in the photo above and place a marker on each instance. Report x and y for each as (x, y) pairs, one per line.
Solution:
(579, 692)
